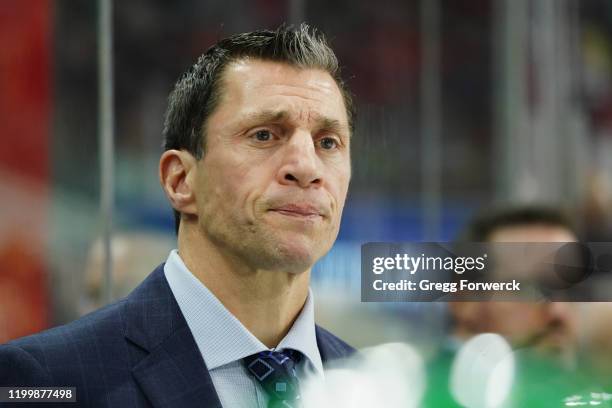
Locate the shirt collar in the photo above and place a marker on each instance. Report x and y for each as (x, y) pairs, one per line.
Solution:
(302, 335)
(219, 335)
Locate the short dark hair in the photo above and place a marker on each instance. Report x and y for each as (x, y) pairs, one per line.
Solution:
(486, 223)
(197, 92)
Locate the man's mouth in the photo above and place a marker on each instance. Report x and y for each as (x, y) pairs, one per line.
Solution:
(550, 337)
(298, 210)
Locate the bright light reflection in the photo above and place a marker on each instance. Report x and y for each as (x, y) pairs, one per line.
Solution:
(483, 372)
(390, 375)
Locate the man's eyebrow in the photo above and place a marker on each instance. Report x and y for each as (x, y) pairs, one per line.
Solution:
(267, 116)
(332, 125)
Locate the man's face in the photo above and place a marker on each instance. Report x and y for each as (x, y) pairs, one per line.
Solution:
(548, 327)
(271, 186)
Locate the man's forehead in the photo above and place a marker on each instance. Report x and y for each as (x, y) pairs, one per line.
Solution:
(532, 233)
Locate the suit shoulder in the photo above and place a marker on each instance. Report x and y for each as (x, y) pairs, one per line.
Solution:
(67, 343)
(107, 319)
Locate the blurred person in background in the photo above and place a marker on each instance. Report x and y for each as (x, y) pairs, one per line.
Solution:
(257, 168)
(546, 327)
(132, 253)
(543, 334)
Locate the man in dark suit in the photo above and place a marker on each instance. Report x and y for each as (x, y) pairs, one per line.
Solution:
(256, 167)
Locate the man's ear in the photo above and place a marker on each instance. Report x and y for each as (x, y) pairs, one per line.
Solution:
(177, 175)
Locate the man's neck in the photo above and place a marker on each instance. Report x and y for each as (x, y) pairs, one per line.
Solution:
(265, 302)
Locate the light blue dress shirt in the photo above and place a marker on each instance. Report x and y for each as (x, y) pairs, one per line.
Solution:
(223, 341)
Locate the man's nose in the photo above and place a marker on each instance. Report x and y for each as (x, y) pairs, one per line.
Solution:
(301, 165)
(561, 312)
(561, 308)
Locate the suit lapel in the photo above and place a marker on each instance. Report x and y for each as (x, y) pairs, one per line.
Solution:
(173, 372)
(331, 347)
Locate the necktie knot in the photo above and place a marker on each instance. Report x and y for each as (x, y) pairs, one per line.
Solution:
(276, 372)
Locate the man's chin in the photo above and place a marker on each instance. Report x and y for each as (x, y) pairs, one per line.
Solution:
(556, 345)
(292, 256)
(289, 251)
(552, 343)
(295, 258)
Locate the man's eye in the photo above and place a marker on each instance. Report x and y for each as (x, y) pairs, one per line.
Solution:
(263, 135)
(328, 143)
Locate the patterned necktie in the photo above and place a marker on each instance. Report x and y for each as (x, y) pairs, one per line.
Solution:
(275, 371)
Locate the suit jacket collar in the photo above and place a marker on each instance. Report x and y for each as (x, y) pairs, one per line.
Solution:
(331, 347)
(173, 372)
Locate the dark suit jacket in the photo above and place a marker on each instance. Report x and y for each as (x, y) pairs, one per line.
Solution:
(137, 352)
